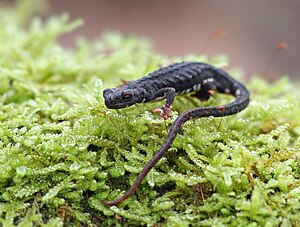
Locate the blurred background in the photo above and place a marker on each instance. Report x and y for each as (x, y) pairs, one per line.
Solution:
(248, 31)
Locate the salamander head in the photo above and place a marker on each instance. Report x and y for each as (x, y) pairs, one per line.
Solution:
(116, 98)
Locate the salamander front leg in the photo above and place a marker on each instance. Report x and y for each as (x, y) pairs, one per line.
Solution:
(168, 94)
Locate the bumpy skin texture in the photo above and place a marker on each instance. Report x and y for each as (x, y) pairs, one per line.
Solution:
(179, 78)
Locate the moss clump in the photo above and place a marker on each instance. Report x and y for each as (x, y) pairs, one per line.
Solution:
(62, 151)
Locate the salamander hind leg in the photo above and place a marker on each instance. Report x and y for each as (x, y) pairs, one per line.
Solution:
(202, 95)
(206, 92)
(168, 94)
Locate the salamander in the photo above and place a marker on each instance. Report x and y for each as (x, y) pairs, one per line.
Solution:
(199, 79)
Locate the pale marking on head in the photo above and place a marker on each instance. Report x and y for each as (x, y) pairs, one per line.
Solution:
(210, 79)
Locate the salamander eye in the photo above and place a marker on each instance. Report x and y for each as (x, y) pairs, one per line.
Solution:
(127, 96)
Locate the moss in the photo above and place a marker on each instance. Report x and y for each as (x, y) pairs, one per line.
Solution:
(63, 151)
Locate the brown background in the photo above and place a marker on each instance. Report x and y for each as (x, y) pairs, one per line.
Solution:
(253, 28)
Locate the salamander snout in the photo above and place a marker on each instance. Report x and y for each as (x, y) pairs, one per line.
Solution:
(116, 98)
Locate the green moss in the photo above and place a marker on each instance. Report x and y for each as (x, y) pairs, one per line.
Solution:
(63, 151)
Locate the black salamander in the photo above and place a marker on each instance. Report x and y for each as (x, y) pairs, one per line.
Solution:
(179, 78)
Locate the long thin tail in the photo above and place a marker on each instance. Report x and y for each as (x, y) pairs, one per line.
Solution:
(240, 103)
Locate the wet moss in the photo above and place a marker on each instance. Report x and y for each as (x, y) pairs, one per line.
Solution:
(63, 151)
